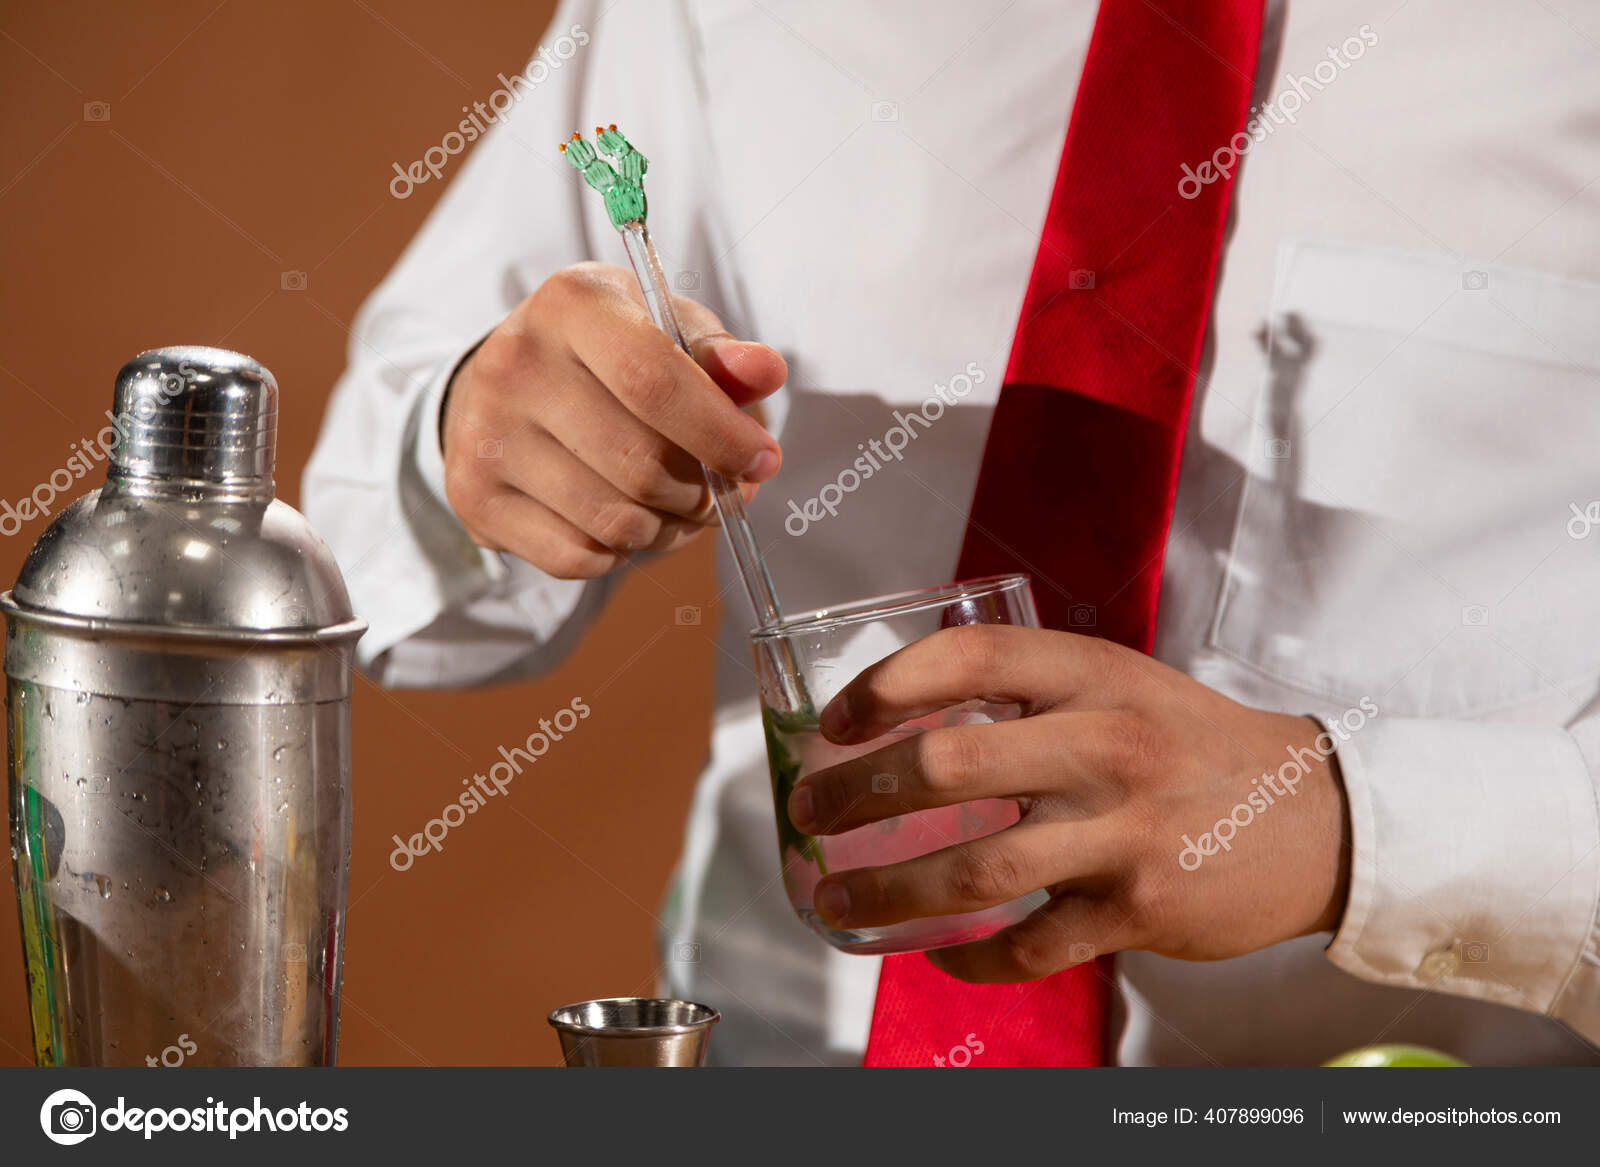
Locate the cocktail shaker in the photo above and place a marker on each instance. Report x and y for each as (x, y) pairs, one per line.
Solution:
(178, 673)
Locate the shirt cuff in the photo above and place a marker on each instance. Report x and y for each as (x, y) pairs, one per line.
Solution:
(1475, 865)
(425, 467)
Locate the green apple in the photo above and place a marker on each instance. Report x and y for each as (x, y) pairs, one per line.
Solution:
(1389, 1056)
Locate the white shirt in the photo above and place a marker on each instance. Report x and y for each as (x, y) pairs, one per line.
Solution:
(1386, 499)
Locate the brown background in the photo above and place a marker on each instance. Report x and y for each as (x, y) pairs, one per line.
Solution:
(246, 139)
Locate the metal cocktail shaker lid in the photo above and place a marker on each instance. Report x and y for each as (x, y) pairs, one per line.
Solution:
(186, 537)
(203, 415)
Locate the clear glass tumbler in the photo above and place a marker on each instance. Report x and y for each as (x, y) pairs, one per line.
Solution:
(801, 664)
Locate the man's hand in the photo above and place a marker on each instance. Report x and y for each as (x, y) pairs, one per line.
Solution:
(1114, 759)
(573, 435)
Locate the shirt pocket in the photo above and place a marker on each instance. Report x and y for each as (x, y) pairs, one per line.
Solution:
(1415, 524)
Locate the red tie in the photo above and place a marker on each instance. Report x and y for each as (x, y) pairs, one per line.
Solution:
(1081, 466)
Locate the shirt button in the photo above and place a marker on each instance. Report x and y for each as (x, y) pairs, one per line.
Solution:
(1437, 965)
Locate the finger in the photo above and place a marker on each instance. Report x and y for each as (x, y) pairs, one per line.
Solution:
(663, 387)
(584, 417)
(544, 469)
(1071, 929)
(944, 767)
(998, 663)
(744, 370)
(967, 877)
(509, 520)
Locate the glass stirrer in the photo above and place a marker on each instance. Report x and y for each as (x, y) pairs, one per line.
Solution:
(614, 168)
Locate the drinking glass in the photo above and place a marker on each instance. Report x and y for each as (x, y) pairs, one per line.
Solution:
(801, 664)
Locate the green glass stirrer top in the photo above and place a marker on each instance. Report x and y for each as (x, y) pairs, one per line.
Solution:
(619, 181)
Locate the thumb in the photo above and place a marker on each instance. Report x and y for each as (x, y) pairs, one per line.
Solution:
(744, 370)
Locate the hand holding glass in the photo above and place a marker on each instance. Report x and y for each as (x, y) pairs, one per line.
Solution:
(829, 648)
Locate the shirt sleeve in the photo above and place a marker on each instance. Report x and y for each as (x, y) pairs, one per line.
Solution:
(1476, 863)
(441, 610)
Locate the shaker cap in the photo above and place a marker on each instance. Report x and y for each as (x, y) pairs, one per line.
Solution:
(193, 413)
(186, 538)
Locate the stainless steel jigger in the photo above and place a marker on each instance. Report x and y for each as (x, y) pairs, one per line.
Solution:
(634, 1031)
